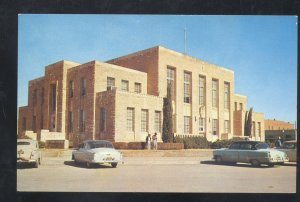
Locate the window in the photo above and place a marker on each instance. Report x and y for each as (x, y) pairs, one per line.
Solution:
(187, 124)
(215, 126)
(187, 87)
(130, 119)
(42, 121)
(171, 80)
(241, 106)
(235, 145)
(214, 93)
(144, 120)
(137, 87)
(42, 96)
(34, 123)
(201, 90)
(125, 85)
(235, 106)
(226, 126)
(83, 87)
(34, 97)
(157, 121)
(70, 122)
(246, 146)
(253, 128)
(82, 121)
(53, 97)
(71, 89)
(201, 125)
(24, 124)
(102, 119)
(110, 83)
(258, 128)
(226, 95)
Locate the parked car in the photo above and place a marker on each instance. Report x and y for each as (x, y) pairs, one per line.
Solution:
(290, 148)
(28, 152)
(96, 152)
(253, 152)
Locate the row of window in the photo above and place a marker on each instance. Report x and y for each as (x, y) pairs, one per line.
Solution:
(188, 130)
(236, 106)
(187, 88)
(144, 120)
(124, 85)
(256, 130)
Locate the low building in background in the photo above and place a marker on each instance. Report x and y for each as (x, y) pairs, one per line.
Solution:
(121, 100)
(273, 124)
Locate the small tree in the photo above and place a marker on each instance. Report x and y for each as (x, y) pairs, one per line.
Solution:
(167, 133)
(248, 123)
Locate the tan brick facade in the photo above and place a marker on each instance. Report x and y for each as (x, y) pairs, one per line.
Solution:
(278, 125)
(130, 90)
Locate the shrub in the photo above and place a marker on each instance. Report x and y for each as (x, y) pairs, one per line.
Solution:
(120, 145)
(193, 142)
(170, 146)
(136, 145)
(224, 143)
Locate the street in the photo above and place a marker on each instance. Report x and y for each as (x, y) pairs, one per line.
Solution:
(156, 174)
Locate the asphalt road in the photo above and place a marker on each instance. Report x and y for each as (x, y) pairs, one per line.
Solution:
(156, 174)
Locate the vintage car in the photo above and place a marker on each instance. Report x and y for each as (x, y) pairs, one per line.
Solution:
(96, 152)
(28, 152)
(253, 152)
(290, 148)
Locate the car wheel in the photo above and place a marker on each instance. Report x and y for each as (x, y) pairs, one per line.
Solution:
(218, 159)
(271, 164)
(114, 165)
(255, 163)
(36, 164)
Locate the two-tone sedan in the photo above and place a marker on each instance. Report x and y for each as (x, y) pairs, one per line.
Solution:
(253, 152)
(290, 148)
(97, 152)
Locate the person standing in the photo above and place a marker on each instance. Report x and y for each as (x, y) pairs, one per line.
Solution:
(278, 143)
(148, 141)
(154, 137)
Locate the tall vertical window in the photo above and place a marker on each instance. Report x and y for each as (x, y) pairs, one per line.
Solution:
(71, 88)
(201, 125)
(102, 119)
(226, 126)
(110, 83)
(83, 87)
(70, 122)
(259, 128)
(187, 124)
(53, 97)
(215, 126)
(241, 106)
(235, 106)
(42, 96)
(130, 119)
(187, 87)
(172, 81)
(201, 90)
(24, 124)
(253, 128)
(82, 121)
(157, 121)
(214, 93)
(125, 85)
(34, 123)
(144, 120)
(42, 121)
(137, 87)
(226, 95)
(34, 97)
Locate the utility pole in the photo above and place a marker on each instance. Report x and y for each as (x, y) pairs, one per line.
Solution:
(185, 41)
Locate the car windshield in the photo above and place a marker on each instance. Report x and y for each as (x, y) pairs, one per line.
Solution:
(23, 143)
(100, 144)
(288, 145)
(262, 146)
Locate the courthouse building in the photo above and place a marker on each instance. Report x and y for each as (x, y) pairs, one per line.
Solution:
(121, 100)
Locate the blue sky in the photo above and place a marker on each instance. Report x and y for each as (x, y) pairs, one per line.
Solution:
(261, 50)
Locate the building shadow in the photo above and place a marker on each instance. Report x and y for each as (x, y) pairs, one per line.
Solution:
(290, 164)
(25, 166)
(83, 165)
(240, 165)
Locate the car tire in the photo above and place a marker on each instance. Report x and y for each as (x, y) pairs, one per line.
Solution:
(36, 164)
(114, 165)
(255, 163)
(218, 159)
(271, 165)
